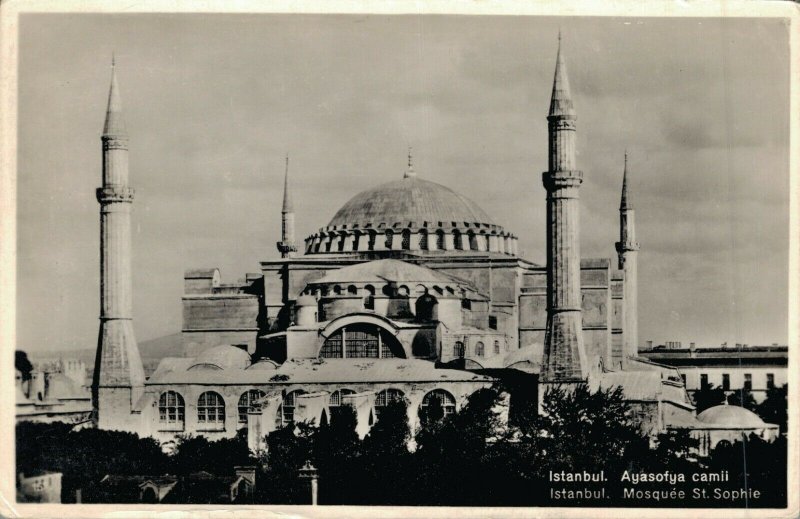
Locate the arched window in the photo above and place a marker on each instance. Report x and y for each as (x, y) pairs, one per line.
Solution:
(171, 408)
(356, 240)
(406, 244)
(336, 400)
(440, 240)
(352, 290)
(479, 349)
(211, 409)
(360, 341)
(371, 243)
(340, 242)
(389, 236)
(458, 350)
(386, 397)
(473, 241)
(436, 405)
(329, 243)
(496, 347)
(337, 290)
(246, 401)
(423, 239)
(369, 299)
(458, 243)
(286, 409)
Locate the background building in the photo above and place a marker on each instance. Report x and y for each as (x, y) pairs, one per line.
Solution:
(756, 368)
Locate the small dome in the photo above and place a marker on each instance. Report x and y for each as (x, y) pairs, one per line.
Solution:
(731, 415)
(409, 200)
(224, 357)
(264, 365)
(306, 300)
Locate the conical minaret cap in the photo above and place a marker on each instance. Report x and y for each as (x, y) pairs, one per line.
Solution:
(288, 204)
(625, 201)
(115, 124)
(561, 99)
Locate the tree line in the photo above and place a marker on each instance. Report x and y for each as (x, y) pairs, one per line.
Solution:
(473, 457)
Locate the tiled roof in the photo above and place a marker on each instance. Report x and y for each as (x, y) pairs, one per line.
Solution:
(409, 200)
(384, 271)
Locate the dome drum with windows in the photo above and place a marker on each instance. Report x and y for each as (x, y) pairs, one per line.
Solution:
(411, 215)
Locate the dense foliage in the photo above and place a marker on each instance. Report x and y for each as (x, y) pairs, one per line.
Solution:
(468, 458)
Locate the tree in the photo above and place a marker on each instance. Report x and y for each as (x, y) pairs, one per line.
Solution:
(196, 453)
(386, 462)
(85, 456)
(336, 449)
(288, 449)
(708, 396)
(23, 364)
(775, 407)
(743, 398)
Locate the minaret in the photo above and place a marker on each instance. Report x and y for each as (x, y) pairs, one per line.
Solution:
(564, 355)
(627, 252)
(287, 246)
(118, 375)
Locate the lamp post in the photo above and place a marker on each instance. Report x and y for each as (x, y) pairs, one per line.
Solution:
(309, 471)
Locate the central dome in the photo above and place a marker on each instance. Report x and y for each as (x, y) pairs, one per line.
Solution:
(411, 215)
(410, 201)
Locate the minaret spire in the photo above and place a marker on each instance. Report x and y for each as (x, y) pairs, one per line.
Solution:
(564, 354)
(624, 202)
(287, 246)
(627, 256)
(561, 98)
(115, 123)
(410, 173)
(118, 379)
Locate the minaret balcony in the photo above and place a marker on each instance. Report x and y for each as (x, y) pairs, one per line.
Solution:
(110, 194)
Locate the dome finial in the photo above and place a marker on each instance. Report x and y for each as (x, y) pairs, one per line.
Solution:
(410, 171)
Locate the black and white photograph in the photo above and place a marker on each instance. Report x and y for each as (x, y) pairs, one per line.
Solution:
(299, 259)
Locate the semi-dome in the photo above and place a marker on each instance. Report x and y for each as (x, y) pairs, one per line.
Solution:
(409, 201)
(223, 357)
(411, 215)
(731, 415)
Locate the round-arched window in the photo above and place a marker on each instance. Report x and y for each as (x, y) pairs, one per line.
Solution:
(406, 242)
(171, 408)
(423, 239)
(440, 239)
(385, 397)
(246, 401)
(458, 350)
(458, 243)
(496, 347)
(335, 400)
(287, 407)
(436, 405)
(389, 238)
(211, 409)
(479, 349)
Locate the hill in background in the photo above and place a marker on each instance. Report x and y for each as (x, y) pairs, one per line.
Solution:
(152, 351)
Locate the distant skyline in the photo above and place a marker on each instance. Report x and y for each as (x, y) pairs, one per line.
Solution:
(214, 102)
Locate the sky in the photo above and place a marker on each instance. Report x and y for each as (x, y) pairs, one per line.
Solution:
(214, 102)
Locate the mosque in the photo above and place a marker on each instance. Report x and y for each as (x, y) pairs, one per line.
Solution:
(411, 291)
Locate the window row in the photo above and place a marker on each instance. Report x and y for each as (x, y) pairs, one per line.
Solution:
(435, 405)
(210, 408)
(406, 240)
(747, 382)
(460, 349)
